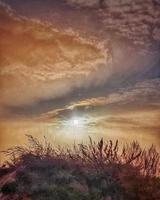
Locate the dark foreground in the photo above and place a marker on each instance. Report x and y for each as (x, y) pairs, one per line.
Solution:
(98, 171)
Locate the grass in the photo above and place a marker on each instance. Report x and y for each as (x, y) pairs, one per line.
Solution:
(97, 171)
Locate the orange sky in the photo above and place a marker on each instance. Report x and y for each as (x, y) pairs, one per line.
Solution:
(56, 71)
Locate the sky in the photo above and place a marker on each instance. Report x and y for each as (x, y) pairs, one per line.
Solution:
(70, 69)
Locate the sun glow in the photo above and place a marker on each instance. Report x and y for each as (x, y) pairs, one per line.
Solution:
(75, 122)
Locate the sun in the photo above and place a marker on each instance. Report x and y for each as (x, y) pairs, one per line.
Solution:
(75, 122)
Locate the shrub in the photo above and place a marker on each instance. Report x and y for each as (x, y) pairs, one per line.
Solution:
(91, 172)
(9, 188)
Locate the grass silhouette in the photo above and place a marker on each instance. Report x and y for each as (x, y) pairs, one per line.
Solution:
(96, 171)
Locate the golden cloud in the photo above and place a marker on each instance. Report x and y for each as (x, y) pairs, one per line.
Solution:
(39, 62)
(145, 93)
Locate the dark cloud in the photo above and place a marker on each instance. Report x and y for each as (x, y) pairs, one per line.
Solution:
(137, 20)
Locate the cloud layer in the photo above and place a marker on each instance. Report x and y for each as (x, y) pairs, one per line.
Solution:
(39, 62)
(137, 21)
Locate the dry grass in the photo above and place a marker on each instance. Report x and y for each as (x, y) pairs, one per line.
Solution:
(94, 155)
(95, 171)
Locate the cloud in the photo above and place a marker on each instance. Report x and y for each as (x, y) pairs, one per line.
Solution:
(126, 108)
(144, 93)
(39, 62)
(129, 114)
(84, 63)
(89, 3)
(136, 21)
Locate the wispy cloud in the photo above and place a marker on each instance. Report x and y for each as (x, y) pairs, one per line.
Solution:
(145, 93)
(125, 109)
(39, 62)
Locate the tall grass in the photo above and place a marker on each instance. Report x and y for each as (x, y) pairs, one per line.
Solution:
(96, 155)
(94, 171)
